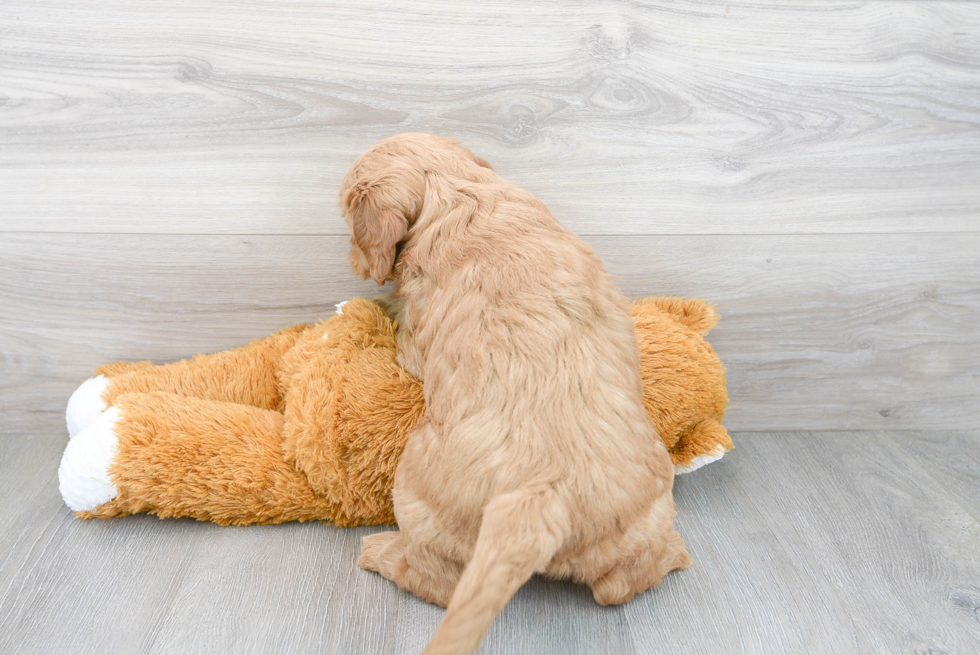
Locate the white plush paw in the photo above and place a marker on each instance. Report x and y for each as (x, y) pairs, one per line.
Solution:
(712, 456)
(83, 477)
(86, 405)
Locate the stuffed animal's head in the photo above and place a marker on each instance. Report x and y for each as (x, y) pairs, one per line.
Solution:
(383, 193)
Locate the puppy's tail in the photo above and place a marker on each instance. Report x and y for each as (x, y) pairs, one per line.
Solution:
(520, 534)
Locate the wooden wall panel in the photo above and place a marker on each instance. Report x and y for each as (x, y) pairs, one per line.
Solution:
(813, 167)
(625, 117)
(818, 332)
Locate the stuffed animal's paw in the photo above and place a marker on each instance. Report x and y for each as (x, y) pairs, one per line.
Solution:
(86, 405)
(83, 477)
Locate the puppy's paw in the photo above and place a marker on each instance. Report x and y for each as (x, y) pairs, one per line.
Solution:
(612, 588)
(379, 550)
(86, 405)
(83, 477)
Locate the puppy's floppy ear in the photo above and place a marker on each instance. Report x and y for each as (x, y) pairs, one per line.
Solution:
(380, 197)
(377, 234)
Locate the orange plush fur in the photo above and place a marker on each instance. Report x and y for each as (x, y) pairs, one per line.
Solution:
(309, 423)
(683, 380)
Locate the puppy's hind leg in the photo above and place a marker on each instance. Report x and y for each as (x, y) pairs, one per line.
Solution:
(641, 573)
(415, 568)
(418, 557)
(660, 549)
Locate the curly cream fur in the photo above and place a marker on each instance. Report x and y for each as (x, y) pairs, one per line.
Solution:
(535, 454)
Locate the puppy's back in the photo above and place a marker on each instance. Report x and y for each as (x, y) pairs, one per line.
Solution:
(532, 367)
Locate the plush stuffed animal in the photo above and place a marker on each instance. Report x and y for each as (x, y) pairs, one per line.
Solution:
(308, 424)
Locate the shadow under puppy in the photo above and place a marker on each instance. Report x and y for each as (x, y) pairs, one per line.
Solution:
(535, 454)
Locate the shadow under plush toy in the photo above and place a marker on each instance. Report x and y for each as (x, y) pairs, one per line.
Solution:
(309, 423)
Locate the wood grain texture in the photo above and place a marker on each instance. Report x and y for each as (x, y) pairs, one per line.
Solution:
(625, 117)
(818, 543)
(953, 460)
(817, 332)
(143, 585)
(835, 542)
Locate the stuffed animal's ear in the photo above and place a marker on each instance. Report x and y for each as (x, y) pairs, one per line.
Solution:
(376, 233)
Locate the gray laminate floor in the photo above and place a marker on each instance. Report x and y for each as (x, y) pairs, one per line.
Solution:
(803, 543)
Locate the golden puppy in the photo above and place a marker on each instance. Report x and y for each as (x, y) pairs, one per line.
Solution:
(535, 454)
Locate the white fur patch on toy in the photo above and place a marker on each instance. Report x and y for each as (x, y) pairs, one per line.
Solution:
(85, 405)
(700, 460)
(83, 477)
(339, 307)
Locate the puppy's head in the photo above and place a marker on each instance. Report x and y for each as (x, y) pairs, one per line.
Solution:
(382, 195)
